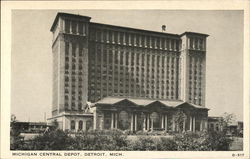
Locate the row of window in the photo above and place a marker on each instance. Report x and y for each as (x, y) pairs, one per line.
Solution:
(74, 106)
(73, 53)
(129, 70)
(73, 125)
(133, 39)
(197, 43)
(75, 27)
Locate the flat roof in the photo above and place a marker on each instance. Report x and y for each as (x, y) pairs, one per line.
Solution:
(67, 15)
(194, 33)
(136, 29)
(121, 27)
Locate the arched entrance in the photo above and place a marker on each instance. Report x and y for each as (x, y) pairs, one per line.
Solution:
(156, 120)
(124, 121)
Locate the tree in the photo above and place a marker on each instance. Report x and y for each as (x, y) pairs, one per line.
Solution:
(179, 118)
(226, 120)
(15, 138)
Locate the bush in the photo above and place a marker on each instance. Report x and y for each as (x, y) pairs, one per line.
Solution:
(100, 140)
(190, 141)
(202, 141)
(166, 144)
(117, 140)
(143, 143)
(218, 141)
(53, 140)
(146, 143)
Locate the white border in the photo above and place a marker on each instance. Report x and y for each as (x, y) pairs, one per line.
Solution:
(6, 8)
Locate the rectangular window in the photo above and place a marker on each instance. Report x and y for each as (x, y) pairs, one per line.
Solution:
(67, 25)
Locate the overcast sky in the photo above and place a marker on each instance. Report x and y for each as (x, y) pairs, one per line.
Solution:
(31, 66)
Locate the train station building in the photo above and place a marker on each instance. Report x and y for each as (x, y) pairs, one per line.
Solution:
(116, 77)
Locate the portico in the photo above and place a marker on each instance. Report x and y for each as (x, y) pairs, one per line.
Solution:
(149, 115)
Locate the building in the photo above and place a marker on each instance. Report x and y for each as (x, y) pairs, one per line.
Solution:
(235, 128)
(215, 123)
(30, 127)
(135, 79)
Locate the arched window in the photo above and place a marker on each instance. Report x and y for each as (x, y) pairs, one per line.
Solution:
(72, 125)
(80, 125)
(124, 121)
(217, 127)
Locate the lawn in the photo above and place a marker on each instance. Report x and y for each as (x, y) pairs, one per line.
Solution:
(237, 144)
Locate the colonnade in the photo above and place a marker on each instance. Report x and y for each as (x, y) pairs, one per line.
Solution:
(148, 123)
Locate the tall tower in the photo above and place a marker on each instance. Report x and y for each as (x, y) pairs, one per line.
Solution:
(70, 65)
(193, 68)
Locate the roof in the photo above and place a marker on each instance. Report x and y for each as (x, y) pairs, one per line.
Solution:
(145, 102)
(137, 29)
(30, 123)
(59, 14)
(194, 33)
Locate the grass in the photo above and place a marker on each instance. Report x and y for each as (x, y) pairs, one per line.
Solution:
(237, 144)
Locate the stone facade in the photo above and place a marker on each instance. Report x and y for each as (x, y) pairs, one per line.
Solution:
(93, 62)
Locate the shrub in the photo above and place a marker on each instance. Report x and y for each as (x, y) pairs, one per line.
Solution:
(218, 141)
(202, 141)
(53, 140)
(189, 141)
(143, 143)
(128, 132)
(166, 144)
(100, 140)
(118, 140)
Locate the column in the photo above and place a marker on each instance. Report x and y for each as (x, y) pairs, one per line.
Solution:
(150, 42)
(166, 122)
(148, 126)
(64, 123)
(132, 122)
(101, 122)
(152, 124)
(118, 38)
(135, 122)
(205, 124)
(184, 125)
(162, 121)
(190, 123)
(107, 36)
(102, 35)
(139, 36)
(173, 126)
(129, 39)
(84, 29)
(112, 120)
(201, 122)
(124, 38)
(144, 122)
(194, 124)
(95, 120)
(116, 120)
(76, 125)
(112, 37)
(70, 27)
(84, 127)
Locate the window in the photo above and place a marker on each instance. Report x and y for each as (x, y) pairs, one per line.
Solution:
(80, 125)
(72, 125)
(67, 25)
(74, 24)
(80, 28)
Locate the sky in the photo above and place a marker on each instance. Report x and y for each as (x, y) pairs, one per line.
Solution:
(31, 54)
